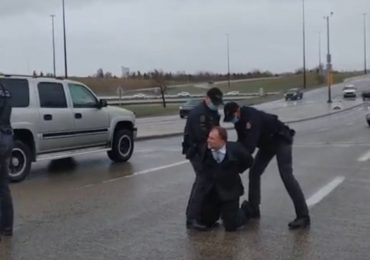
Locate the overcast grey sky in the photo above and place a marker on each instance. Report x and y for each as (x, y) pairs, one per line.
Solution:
(179, 35)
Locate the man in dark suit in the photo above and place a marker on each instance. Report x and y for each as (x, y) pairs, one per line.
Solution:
(222, 162)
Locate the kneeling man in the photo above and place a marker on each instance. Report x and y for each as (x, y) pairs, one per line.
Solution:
(222, 163)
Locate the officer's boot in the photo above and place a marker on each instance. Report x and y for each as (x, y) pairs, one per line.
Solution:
(300, 222)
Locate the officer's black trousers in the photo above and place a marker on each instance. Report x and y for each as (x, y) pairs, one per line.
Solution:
(283, 152)
(213, 208)
(197, 193)
(6, 204)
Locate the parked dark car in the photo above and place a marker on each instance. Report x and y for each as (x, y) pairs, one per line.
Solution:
(365, 95)
(294, 94)
(185, 108)
(368, 119)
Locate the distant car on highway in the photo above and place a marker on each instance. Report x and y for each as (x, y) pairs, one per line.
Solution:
(233, 93)
(189, 105)
(349, 91)
(293, 94)
(183, 94)
(139, 95)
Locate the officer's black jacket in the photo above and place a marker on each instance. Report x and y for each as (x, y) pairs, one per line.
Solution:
(225, 176)
(5, 109)
(198, 125)
(256, 128)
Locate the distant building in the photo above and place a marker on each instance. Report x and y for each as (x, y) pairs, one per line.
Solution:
(125, 71)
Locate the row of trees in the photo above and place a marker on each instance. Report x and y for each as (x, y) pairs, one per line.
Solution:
(186, 77)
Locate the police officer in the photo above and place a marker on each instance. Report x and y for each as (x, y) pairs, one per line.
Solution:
(6, 143)
(198, 125)
(256, 128)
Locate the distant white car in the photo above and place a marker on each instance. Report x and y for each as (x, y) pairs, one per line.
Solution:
(140, 95)
(183, 94)
(233, 93)
(349, 91)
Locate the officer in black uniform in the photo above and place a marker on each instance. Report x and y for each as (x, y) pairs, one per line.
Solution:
(198, 125)
(256, 128)
(6, 143)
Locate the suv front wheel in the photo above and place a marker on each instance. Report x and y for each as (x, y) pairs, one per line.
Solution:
(20, 161)
(122, 146)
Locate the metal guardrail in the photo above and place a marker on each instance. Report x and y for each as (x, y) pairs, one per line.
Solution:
(129, 100)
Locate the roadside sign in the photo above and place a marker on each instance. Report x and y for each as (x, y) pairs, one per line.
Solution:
(120, 92)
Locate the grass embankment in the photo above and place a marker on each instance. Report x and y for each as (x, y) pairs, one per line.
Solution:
(108, 87)
(153, 110)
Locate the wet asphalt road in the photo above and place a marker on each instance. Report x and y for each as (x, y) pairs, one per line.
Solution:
(89, 208)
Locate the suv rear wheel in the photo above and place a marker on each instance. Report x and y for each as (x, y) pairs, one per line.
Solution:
(122, 147)
(20, 161)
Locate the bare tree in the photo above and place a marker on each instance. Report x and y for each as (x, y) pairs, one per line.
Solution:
(160, 82)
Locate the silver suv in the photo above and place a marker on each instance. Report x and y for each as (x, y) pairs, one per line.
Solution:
(58, 118)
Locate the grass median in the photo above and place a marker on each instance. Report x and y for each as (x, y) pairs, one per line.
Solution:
(279, 85)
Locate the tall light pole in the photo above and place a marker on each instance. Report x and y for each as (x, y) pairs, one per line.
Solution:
(65, 43)
(53, 41)
(228, 60)
(365, 47)
(320, 51)
(304, 45)
(328, 57)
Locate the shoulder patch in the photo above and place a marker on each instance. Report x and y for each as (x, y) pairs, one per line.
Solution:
(248, 125)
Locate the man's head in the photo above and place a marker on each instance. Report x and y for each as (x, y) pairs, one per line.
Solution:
(232, 112)
(214, 98)
(217, 138)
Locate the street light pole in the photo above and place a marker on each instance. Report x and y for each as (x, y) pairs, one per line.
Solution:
(304, 46)
(65, 42)
(228, 61)
(365, 47)
(53, 40)
(320, 51)
(328, 58)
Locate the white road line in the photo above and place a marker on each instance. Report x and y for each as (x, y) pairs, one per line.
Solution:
(157, 168)
(323, 129)
(324, 191)
(86, 186)
(364, 157)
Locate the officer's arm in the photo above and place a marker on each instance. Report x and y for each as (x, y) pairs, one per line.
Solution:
(244, 158)
(252, 132)
(201, 129)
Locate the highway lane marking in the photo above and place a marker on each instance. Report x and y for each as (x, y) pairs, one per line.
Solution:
(324, 191)
(364, 157)
(158, 168)
(323, 129)
(155, 169)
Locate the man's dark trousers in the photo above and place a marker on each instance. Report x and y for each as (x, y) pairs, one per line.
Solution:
(213, 208)
(196, 195)
(6, 205)
(283, 152)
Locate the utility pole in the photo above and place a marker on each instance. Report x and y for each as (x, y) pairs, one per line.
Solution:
(328, 58)
(228, 61)
(65, 42)
(304, 47)
(320, 50)
(365, 47)
(53, 40)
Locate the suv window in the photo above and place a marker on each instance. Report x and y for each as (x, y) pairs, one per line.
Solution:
(81, 96)
(52, 95)
(19, 90)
